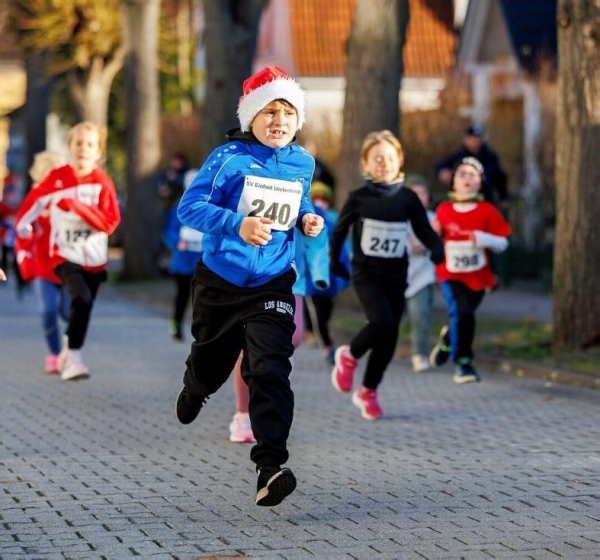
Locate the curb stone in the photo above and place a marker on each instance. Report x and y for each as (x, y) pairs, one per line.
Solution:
(529, 369)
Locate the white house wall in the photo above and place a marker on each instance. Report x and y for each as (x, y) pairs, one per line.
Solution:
(325, 98)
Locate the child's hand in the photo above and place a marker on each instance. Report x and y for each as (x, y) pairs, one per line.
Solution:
(415, 247)
(312, 224)
(256, 231)
(2, 276)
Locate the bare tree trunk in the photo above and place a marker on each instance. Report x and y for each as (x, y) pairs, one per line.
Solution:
(533, 186)
(142, 229)
(90, 89)
(373, 76)
(577, 246)
(184, 56)
(37, 103)
(231, 34)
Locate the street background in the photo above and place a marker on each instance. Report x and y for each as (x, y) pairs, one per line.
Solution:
(507, 468)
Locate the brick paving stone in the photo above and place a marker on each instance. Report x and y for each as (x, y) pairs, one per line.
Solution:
(508, 468)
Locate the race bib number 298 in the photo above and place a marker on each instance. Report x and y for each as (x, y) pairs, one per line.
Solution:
(275, 199)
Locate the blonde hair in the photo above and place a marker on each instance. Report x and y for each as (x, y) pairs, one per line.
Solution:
(377, 137)
(92, 127)
(43, 163)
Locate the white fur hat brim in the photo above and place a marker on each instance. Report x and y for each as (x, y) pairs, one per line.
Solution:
(281, 88)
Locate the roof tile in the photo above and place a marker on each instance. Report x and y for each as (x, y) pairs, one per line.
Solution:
(320, 31)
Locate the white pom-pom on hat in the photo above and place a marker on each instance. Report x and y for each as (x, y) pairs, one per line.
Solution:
(269, 84)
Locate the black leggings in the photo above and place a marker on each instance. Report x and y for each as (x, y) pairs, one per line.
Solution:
(183, 290)
(82, 286)
(318, 310)
(462, 304)
(383, 304)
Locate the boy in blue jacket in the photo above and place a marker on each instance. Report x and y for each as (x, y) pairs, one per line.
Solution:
(247, 199)
(185, 245)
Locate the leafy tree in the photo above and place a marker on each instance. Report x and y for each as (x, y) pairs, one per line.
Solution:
(81, 39)
(373, 76)
(577, 245)
(177, 49)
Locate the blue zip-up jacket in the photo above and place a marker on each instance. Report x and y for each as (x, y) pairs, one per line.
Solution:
(182, 261)
(336, 283)
(311, 263)
(246, 178)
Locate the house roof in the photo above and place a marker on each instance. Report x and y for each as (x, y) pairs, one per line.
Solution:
(319, 31)
(532, 29)
(508, 32)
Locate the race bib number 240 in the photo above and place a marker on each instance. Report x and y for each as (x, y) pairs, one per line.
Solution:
(275, 199)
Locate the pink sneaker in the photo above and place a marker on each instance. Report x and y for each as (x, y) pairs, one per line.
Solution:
(366, 400)
(240, 429)
(342, 374)
(51, 364)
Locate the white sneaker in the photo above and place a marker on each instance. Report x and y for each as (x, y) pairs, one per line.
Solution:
(63, 356)
(420, 363)
(240, 428)
(74, 371)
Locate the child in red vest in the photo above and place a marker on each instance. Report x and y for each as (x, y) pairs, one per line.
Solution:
(470, 229)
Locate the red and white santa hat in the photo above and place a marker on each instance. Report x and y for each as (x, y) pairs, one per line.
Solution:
(269, 84)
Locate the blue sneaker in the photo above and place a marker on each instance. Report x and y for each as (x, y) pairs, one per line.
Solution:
(465, 373)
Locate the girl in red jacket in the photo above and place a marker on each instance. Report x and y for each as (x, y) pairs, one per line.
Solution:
(82, 205)
(470, 229)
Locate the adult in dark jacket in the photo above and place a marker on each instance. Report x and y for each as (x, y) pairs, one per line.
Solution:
(494, 188)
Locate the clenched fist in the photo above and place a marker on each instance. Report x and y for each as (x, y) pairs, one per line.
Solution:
(312, 224)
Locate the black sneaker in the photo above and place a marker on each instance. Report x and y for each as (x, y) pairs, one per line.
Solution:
(188, 405)
(441, 351)
(274, 484)
(465, 373)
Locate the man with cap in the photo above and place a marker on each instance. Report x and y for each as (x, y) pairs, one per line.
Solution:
(494, 187)
(247, 199)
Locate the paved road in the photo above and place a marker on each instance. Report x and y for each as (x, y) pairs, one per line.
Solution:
(509, 468)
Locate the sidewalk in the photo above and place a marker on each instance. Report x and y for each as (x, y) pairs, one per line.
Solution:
(517, 304)
(507, 468)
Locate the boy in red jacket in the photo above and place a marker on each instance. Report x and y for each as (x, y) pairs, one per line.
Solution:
(470, 229)
(81, 202)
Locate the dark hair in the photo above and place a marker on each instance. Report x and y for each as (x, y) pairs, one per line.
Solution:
(475, 164)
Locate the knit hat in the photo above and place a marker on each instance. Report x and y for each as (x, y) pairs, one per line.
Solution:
(318, 189)
(416, 179)
(474, 163)
(269, 84)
